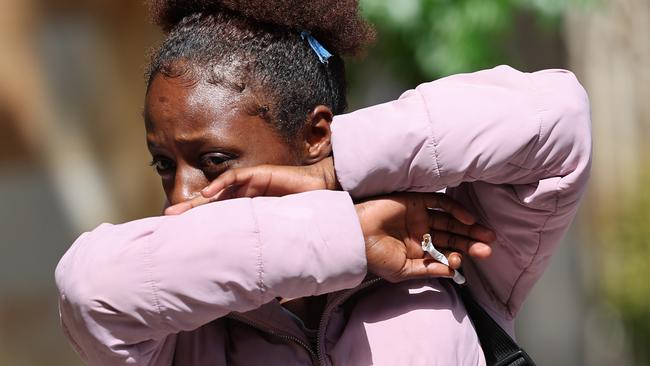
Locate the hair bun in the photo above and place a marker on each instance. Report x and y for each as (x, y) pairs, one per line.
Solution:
(335, 23)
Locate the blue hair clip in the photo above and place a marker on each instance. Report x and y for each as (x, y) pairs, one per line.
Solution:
(321, 52)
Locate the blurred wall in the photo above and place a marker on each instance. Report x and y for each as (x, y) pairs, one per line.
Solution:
(71, 151)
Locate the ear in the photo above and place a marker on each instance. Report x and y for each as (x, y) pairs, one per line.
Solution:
(317, 136)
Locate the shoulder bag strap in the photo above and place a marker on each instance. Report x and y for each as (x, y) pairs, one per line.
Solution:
(498, 347)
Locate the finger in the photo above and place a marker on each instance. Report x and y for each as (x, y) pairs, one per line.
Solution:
(482, 233)
(414, 251)
(444, 222)
(422, 268)
(455, 258)
(479, 250)
(227, 179)
(440, 200)
(413, 248)
(179, 208)
(252, 188)
(474, 248)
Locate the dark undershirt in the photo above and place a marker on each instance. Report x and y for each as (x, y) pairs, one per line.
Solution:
(306, 312)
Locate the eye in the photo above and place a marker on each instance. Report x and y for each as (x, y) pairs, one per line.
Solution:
(162, 164)
(213, 162)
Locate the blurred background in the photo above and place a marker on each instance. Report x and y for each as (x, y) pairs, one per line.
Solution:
(72, 151)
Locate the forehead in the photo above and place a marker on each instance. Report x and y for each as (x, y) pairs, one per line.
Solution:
(174, 102)
(192, 117)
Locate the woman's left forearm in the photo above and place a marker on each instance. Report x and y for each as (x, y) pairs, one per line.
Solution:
(499, 126)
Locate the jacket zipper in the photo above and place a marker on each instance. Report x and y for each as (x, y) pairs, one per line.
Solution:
(319, 354)
(328, 311)
(275, 333)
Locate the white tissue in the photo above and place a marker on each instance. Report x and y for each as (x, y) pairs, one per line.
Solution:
(428, 247)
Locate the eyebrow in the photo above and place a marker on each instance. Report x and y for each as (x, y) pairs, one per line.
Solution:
(195, 138)
(189, 139)
(151, 144)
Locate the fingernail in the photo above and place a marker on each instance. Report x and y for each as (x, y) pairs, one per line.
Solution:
(484, 250)
(455, 262)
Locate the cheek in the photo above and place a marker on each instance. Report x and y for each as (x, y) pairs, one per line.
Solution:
(279, 154)
(168, 186)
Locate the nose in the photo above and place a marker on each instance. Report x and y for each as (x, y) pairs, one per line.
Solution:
(187, 184)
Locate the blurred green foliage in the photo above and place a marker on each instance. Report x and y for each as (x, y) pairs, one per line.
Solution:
(626, 282)
(425, 39)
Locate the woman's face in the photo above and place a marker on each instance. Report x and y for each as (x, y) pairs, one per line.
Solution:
(196, 132)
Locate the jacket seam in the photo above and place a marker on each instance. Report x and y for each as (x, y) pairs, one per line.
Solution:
(147, 258)
(75, 344)
(432, 142)
(152, 282)
(149, 265)
(259, 265)
(541, 169)
(534, 256)
(539, 110)
(540, 119)
(66, 331)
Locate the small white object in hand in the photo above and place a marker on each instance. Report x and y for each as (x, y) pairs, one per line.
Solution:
(427, 246)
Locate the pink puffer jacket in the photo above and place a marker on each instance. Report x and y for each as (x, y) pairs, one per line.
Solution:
(200, 288)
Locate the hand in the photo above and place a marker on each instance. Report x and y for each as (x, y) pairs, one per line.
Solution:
(263, 180)
(393, 227)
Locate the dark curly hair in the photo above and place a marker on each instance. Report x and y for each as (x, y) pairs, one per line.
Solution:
(255, 48)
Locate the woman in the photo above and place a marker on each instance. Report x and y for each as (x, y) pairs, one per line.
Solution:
(237, 86)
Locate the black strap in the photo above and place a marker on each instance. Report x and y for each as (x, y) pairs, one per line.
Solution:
(498, 347)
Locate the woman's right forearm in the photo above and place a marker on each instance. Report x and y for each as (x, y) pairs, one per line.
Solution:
(121, 285)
